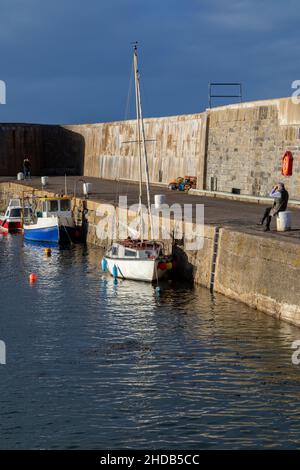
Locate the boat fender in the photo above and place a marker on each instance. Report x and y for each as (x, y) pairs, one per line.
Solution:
(115, 271)
(104, 264)
(47, 251)
(157, 291)
(162, 266)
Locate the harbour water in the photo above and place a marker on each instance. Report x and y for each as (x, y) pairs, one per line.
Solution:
(95, 365)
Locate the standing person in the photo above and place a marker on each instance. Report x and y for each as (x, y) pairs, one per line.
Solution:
(281, 197)
(27, 167)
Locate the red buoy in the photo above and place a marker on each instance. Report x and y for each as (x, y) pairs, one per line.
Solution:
(32, 278)
(162, 266)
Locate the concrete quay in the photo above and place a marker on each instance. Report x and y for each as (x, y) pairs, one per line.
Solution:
(221, 212)
(238, 260)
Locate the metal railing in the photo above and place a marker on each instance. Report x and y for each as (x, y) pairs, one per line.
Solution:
(224, 84)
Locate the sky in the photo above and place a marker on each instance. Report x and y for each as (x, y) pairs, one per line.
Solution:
(70, 61)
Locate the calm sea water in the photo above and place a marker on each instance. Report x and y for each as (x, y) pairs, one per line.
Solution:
(93, 365)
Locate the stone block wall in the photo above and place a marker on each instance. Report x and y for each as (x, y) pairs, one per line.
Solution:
(235, 148)
(53, 150)
(262, 272)
(174, 148)
(246, 143)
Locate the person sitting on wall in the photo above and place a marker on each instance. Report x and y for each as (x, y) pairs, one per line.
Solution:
(26, 168)
(281, 197)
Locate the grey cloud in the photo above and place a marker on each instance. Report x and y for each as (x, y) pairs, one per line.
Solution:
(70, 60)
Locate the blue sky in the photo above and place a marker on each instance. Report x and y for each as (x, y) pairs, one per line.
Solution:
(69, 61)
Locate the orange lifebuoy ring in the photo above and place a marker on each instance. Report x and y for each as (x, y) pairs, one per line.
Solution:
(287, 164)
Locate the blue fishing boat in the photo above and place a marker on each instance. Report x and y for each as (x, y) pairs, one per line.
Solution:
(54, 224)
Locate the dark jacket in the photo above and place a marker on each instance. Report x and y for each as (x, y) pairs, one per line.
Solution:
(27, 164)
(280, 203)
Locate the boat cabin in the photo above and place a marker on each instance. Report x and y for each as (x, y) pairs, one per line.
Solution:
(14, 210)
(135, 249)
(52, 207)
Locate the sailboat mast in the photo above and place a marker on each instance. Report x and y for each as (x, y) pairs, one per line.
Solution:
(136, 75)
(142, 131)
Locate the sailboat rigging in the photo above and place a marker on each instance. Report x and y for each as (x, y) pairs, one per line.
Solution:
(141, 259)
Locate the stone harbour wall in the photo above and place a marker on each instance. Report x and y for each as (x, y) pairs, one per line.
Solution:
(246, 143)
(234, 149)
(53, 150)
(262, 272)
(174, 147)
(259, 271)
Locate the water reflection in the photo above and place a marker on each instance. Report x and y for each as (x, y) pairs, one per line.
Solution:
(97, 365)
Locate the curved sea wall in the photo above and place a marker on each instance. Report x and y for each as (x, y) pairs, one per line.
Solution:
(174, 147)
(234, 149)
(53, 150)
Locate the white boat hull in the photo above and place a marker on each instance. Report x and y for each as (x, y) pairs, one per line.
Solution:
(135, 269)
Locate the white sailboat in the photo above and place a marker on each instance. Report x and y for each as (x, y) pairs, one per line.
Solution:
(140, 260)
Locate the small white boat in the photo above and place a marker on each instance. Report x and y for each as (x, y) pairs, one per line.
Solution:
(136, 260)
(12, 220)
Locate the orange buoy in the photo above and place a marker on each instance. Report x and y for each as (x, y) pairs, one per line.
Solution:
(32, 278)
(47, 251)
